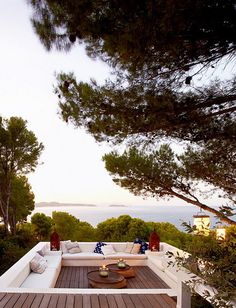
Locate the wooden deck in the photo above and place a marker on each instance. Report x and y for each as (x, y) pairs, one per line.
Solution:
(76, 277)
(24, 300)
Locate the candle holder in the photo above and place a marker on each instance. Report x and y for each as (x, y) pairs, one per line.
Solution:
(121, 263)
(103, 271)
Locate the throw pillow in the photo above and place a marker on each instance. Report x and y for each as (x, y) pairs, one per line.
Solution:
(70, 245)
(108, 250)
(74, 250)
(41, 252)
(38, 264)
(144, 245)
(63, 246)
(98, 247)
(73, 247)
(135, 249)
(128, 247)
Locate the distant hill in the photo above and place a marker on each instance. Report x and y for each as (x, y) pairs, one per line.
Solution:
(58, 204)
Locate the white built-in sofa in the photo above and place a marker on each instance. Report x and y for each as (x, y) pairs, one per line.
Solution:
(21, 276)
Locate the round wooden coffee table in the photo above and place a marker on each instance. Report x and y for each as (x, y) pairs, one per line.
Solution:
(126, 272)
(112, 281)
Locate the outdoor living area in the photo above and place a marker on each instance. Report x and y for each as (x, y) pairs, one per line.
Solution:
(90, 279)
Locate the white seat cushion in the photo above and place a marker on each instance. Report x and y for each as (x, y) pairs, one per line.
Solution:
(83, 255)
(53, 261)
(87, 247)
(119, 247)
(125, 256)
(44, 280)
(108, 250)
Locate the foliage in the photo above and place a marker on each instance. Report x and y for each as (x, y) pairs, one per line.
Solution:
(26, 235)
(10, 252)
(147, 101)
(132, 110)
(213, 261)
(175, 35)
(19, 154)
(69, 227)
(160, 173)
(21, 202)
(170, 234)
(42, 226)
(124, 228)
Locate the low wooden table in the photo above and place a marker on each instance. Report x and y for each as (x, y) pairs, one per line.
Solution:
(127, 272)
(112, 281)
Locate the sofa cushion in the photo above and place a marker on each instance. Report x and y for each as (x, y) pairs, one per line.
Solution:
(38, 264)
(42, 252)
(128, 247)
(73, 247)
(126, 256)
(108, 250)
(74, 250)
(87, 247)
(63, 246)
(144, 245)
(83, 256)
(98, 247)
(53, 261)
(44, 280)
(135, 249)
(119, 247)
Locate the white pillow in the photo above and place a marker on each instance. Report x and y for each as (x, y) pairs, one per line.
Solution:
(73, 247)
(129, 247)
(74, 250)
(43, 251)
(108, 250)
(63, 246)
(70, 245)
(38, 264)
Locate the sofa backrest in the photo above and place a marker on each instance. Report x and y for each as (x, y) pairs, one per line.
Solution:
(90, 246)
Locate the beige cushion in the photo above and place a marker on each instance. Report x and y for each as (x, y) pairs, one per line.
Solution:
(63, 246)
(135, 249)
(38, 264)
(129, 247)
(73, 247)
(74, 250)
(108, 250)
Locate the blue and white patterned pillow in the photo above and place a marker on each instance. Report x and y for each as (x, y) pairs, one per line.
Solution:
(143, 247)
(98, 247)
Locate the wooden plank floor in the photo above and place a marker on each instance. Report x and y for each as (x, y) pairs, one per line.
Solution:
(76, 277)
(24, 300)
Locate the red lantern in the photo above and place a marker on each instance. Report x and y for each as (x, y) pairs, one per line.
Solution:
(154, 241)
(54, 241)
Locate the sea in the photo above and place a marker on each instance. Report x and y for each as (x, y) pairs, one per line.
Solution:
(94, 214)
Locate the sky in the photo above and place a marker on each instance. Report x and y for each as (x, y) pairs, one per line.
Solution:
(71, 168)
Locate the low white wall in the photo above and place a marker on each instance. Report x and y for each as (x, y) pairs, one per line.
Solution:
(16, 274)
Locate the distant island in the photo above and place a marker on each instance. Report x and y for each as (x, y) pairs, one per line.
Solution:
(58, 204)
(117, 205)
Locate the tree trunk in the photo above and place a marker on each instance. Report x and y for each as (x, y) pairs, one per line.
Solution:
(4, 204)
(12, 223)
